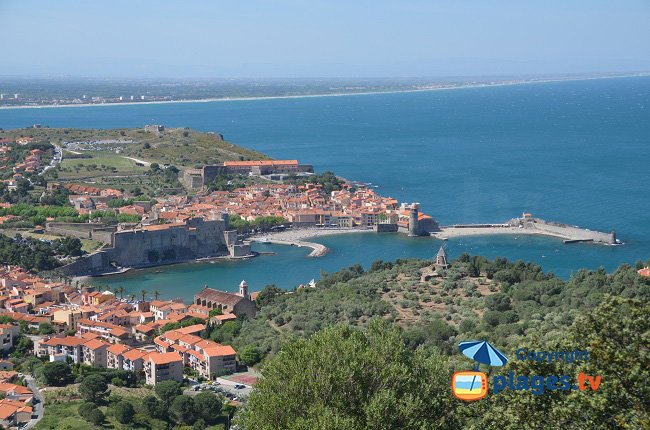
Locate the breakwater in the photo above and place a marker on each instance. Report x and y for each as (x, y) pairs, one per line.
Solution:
(318, 250)
(532, 226)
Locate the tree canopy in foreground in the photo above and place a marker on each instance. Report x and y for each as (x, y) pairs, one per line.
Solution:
(346, 378)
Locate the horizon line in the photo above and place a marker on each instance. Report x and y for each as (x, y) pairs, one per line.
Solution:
(305, 96)
(245, 78)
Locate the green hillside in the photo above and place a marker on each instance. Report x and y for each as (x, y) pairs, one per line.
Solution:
(355, 320)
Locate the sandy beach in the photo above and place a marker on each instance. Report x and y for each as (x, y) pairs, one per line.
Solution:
(304, 96)
(297, 238)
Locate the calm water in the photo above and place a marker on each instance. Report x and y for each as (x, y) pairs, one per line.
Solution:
(575, 152)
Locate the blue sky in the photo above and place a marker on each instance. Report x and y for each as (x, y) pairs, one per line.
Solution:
(314, 38)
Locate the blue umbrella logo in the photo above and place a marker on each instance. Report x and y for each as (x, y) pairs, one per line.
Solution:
(483, 353)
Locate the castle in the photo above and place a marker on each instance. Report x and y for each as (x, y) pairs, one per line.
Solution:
(415, 223)
(198, 178)
(158, 244)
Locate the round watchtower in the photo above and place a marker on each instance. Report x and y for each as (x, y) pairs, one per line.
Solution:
(413, 221)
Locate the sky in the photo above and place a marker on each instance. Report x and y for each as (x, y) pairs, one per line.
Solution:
(322, 38)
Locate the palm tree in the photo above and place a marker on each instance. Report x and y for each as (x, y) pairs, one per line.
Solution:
(156, 294)
(143, 292)
(132, 297)
(121, 291)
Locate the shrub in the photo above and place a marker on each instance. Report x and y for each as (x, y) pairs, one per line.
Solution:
(123, 412)
(183, 409)
(93, 388)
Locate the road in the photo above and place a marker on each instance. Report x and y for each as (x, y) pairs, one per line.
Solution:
(137, 160)
(39, 408)
(56, 159)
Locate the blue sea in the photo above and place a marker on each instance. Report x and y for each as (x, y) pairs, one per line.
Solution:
(575, 151)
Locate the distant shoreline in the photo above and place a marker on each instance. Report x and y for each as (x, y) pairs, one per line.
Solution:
(305, 96)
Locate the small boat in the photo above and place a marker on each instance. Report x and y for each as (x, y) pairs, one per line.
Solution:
(263, 240)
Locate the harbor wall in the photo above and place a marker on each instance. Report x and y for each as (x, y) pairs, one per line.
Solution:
(572, 232)
(385, 228)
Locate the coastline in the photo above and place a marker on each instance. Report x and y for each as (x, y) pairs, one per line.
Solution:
(297, 238)
(360, 93)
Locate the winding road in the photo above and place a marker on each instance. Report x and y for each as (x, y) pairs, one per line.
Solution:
(38, 408)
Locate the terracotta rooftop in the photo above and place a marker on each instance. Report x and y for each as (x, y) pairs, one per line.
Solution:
(192, 329)
(261, 163)
(219, 296)
(64, 341)
(218, 351)
(133, 354)
(117, 349)
(95, 344)
(164, 358)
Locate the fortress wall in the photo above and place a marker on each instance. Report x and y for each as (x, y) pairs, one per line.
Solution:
(140, 248)
(240, 250)
(211, 172)
(98, 262)
(197, 239)
(97, 232)
(385, 228)
(103, 235)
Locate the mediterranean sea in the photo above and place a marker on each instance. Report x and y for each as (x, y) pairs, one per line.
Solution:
(576, 152)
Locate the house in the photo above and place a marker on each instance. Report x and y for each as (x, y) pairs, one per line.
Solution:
(133, 360)
(163, 366)
(7, 334)
(69, 317)
(115, 356)
(96, 298)
(109, 332)
(238, 304)
(162, 309)
(224, 318)
(61, 348)
(94, 353)
(14, 413)
(206, 357)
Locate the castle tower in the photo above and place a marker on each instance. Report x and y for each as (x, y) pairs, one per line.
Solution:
(413, 220)
(243, 289)
(441, 259)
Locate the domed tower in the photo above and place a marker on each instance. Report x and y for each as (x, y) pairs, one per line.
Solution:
(413, 220)
(243, 289)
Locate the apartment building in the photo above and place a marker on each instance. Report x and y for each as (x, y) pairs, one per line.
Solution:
(163, 366)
